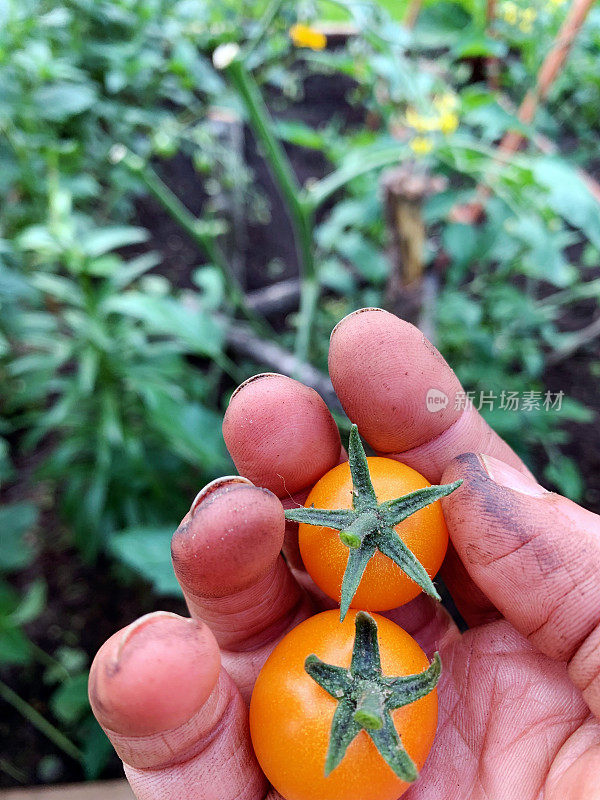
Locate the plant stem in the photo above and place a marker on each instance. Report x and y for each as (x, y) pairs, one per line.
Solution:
(41, 723)
(369, 709)
(47, 660)
(301, 213)
(190, 224)
(353, 535)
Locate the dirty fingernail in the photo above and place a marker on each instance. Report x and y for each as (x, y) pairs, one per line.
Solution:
(510, 477)
(352, 314)
(258, 377)
(215, 486)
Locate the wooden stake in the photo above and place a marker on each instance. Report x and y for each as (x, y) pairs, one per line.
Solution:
(549, 71)
(405, 189)
(412, 14)
(492, 64)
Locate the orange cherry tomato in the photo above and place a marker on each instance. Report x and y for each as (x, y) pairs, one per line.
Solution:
(383, 585)
(291, 715)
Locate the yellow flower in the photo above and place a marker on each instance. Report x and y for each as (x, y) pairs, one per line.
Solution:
(420, 145)
(510, 12)
(305, 36)
(448, 122)
(445, 102)
(529, 14)
(525, 27)
(421, 122)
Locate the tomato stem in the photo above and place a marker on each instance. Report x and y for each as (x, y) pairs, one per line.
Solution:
(364, 524)
(370, 709)
(370, 526)
(365, 699)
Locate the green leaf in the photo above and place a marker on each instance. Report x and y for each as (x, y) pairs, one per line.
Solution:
(566, 476)
(31, 605)
(97, 749)
(334, 275)
(62, 289)
(104, 240)
(165, 315)
(39, 239)
(193, 431)
(15, 648)
(69, 661)
(461, 243)
(59, 101)
(129, 272)
(147, 551)
(210, 281)
(476, 44)
(545, 259)
(299, 134)
(569, 196)
(16, 520)
(575, 411)
(439, 23)
(13, 285)
(70, 703)
(364, 255)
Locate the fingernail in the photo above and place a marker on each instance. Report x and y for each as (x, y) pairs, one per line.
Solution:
(352, 314)
(144, 622)
(510, 477)
(214, 486)
(260, 376)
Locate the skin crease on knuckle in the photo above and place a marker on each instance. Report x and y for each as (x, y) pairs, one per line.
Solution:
(226, 555)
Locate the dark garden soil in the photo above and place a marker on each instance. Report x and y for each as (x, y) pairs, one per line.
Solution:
(86, 604)
(578, 377)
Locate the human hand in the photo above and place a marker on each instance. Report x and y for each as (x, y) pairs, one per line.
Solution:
(520, 690)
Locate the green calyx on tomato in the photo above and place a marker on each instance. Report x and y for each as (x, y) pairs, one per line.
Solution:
(366, 697)
(369, 525)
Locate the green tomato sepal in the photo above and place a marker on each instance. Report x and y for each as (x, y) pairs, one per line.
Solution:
(369, 525)
(366, 698)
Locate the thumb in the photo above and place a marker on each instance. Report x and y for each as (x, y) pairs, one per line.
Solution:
(173, 714)
(536, 556)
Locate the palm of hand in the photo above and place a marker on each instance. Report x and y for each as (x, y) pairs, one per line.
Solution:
(514, 724)
(511, 722)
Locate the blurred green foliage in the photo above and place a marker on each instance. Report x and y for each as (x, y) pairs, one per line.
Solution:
(115, 378)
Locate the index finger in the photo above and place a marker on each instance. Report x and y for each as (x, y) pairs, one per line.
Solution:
(387, 376)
